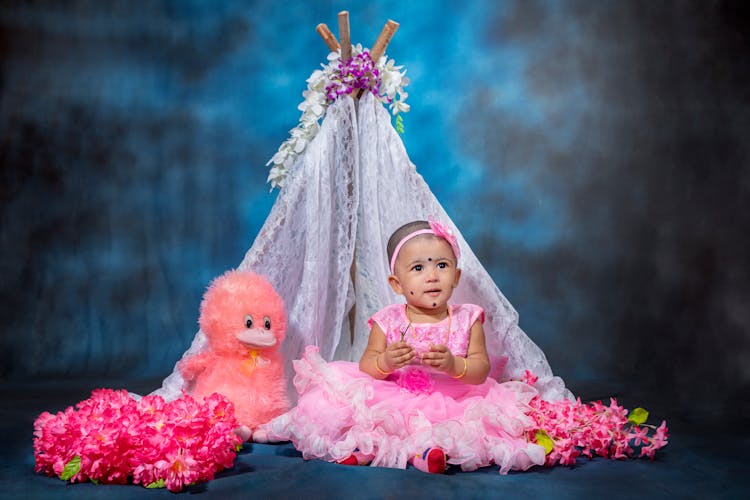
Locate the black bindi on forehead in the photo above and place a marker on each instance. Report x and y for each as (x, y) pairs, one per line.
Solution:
(429, 259)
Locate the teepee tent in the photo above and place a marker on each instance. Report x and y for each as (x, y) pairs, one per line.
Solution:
(323, 243)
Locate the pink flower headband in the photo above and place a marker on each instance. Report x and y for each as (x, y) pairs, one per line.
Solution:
(438, 229)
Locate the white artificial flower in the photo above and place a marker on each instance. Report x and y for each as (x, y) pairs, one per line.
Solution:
(399, 106)
(300, 146)
(278, 157)
(316, 76)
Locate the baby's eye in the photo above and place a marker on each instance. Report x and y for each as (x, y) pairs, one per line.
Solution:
(442, 265)
(248, 321)
(418, 267)
(267, 323)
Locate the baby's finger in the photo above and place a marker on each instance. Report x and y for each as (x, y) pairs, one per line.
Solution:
(428, 358)
(404, 360)
(403, 351)
(393, 350)
(434, 362)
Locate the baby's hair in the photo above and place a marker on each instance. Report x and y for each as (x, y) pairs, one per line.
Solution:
(400, 233)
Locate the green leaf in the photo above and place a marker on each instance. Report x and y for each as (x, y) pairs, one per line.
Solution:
(543, 439)
(71, 468)
(638, 416)
(238, 447)
(159, 483)
(399, 124)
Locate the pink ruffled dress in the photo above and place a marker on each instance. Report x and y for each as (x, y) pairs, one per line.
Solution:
(341, 409)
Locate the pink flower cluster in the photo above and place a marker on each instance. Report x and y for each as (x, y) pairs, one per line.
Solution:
(569, 429)
(359, 72)
(415, 380)
(113, 438)
(529, 377)
(441, 229)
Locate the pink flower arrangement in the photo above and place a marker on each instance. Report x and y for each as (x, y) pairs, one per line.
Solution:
(415, 380)
(112, 438)
(568, 429)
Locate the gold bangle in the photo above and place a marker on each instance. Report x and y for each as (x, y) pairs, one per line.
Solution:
(466, 367)
(377, 366)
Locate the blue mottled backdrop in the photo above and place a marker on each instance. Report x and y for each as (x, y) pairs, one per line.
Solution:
(596, 155)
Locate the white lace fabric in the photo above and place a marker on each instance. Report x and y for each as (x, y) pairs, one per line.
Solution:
(323, 248)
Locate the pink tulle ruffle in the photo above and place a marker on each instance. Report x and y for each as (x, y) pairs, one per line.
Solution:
(341, 409)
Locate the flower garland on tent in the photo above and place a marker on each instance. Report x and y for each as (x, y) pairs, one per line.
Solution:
(337, 78)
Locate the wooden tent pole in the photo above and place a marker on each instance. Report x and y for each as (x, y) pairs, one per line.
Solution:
(346, 53)
(345, 36)
(328, 37)
(383, 40)
(377, 51)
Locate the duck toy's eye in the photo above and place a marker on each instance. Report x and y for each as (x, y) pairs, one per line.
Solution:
(248, 321)
(267, 323)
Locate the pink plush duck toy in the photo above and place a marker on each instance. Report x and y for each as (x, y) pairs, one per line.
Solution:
(244, 321)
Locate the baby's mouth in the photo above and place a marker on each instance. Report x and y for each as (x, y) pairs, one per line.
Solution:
(434, 292)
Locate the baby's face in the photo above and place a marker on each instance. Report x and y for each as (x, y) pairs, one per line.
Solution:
(426, 272)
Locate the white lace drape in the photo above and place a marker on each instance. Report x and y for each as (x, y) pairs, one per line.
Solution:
(323, 247)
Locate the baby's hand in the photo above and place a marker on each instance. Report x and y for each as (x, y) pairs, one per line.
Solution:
(397, 355)
(440, 357)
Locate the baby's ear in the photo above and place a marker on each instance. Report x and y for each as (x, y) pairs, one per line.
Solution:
(395, 284)
(458, 277)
